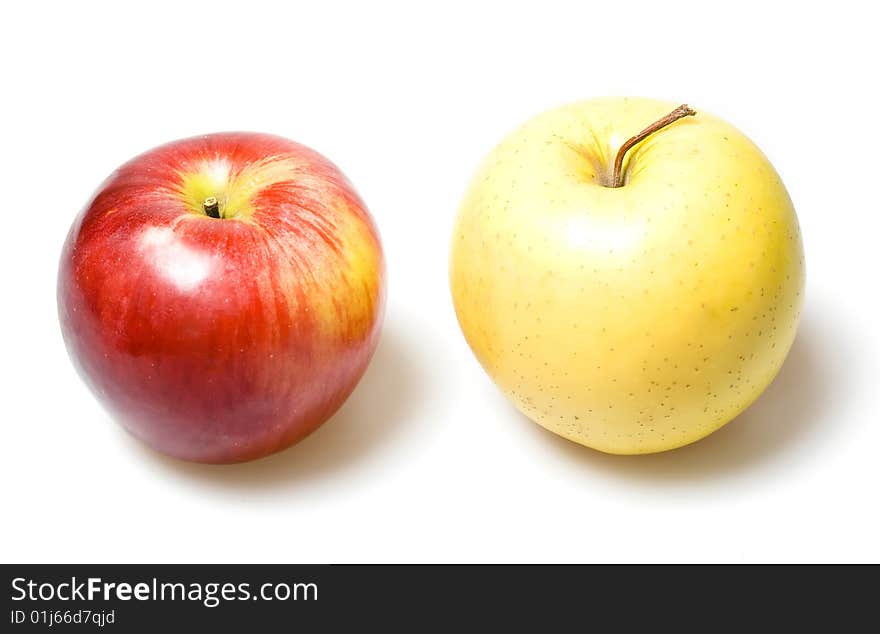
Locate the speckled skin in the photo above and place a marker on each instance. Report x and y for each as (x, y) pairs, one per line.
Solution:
(636, 319)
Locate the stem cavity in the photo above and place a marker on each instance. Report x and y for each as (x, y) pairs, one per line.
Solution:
(617, 175)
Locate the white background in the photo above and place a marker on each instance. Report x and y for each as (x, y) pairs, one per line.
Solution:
(427, 462)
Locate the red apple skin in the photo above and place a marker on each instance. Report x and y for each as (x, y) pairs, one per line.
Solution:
(222, 339)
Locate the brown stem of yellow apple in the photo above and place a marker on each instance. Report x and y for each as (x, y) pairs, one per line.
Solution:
(212, 207)
(617, 175)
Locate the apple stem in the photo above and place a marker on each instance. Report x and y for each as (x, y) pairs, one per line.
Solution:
(212, 207)
(617, 175)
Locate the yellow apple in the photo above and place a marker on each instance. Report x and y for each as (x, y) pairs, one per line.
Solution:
(633, 318)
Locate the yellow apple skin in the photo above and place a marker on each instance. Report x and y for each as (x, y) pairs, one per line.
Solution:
(634, 319)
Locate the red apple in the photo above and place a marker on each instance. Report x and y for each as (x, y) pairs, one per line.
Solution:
(222, 295)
